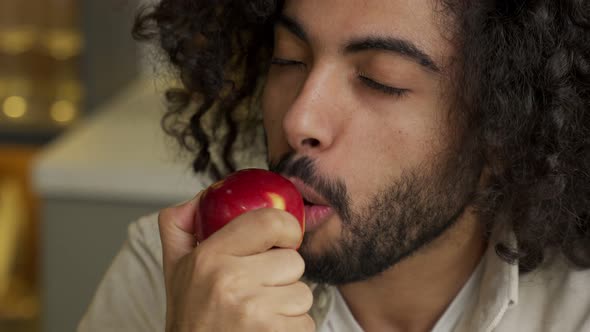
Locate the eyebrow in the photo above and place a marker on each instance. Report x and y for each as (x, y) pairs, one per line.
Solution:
(293, 26)
(402, 47)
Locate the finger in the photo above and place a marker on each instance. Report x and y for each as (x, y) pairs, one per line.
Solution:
(276, 267)
(176, 225)
(292, 300)
(257, 231)
(303, 323)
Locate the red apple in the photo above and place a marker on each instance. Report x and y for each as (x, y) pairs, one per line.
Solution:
(244, 191)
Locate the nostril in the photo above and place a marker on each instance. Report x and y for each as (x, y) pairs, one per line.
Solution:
(312, 142)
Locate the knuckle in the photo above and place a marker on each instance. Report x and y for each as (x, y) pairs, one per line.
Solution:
(296, 262)
(250, 313)
(249, 309)
(269, 222)
(269, 217)
(229, 287)
(292, 261)
(304, 298)
(281, 222)
(223, 290)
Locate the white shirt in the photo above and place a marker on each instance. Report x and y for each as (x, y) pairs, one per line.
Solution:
(553, 298)
(340, 319)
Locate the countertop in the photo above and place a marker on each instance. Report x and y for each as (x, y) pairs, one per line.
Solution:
(119, 153)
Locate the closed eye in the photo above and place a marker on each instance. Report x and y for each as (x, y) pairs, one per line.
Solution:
(286, 62)
(382, 87)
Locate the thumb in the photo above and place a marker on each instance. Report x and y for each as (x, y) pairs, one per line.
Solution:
(177, 229)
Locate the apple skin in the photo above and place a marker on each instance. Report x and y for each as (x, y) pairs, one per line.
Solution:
(244, 191)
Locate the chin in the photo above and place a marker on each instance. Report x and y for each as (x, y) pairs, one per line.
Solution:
(320, 240)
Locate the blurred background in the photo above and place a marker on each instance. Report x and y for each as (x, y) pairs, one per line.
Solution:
(81, 153)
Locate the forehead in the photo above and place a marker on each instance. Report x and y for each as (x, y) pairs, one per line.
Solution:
(336, 21)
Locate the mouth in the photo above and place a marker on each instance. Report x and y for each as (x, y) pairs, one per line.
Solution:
(310, 196)
(317, 209)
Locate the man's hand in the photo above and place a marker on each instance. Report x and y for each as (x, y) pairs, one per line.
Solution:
(234, 281)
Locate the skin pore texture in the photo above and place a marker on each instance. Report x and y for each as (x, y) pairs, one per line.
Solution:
(355, 107)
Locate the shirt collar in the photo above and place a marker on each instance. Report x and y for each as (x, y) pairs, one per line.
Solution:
(498, 289)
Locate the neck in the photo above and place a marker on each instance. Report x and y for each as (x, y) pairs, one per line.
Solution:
(413, 294)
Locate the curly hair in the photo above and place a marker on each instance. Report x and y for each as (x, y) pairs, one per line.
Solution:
(523, 84)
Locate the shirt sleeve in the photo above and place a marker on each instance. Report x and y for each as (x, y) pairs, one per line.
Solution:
(131, 296)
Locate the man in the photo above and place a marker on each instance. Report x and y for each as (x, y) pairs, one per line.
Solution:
(443, 146)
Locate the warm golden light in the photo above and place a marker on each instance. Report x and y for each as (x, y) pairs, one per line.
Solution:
(63, 111)
(17, 40)
(63, 44)
(14, 107)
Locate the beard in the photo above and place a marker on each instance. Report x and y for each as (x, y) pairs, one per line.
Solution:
(407, 214)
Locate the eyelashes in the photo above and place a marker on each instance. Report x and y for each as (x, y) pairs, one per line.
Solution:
(368, 82)
(284, 62)
(382, 87)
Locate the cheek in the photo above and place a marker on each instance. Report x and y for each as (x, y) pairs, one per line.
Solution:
(385, 144)
(398, 139)
(413, 131)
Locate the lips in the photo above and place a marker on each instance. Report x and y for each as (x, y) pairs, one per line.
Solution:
(310, 196)
(317, 209)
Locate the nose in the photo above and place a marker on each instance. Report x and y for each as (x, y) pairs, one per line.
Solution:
(312, 121)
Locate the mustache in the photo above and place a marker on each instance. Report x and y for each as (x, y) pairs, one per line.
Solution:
(304, 168)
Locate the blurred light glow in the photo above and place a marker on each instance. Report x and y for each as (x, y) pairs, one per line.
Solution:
(17, 40)
(63, 111)
(14, 107)
(63, 44)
